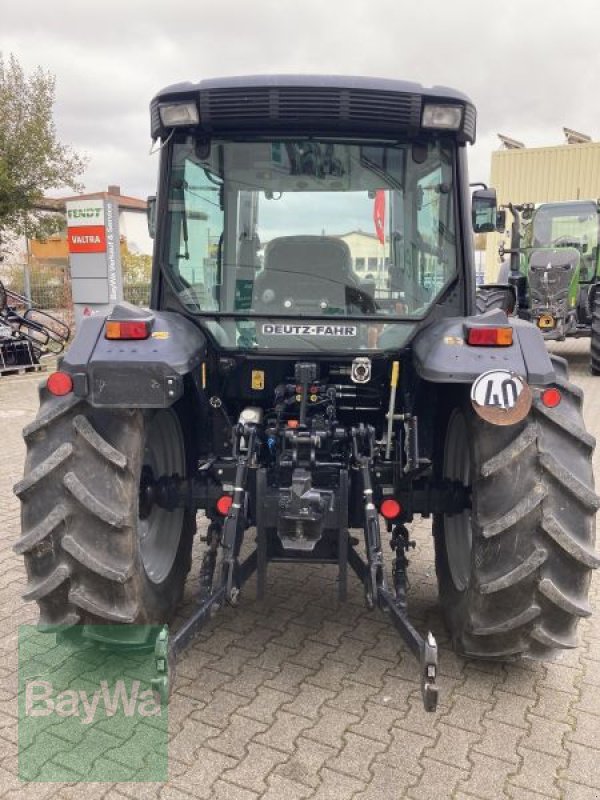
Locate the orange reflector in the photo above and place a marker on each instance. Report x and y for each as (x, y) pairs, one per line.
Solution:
(293, 423)
(551, 397)
(490, 337)
(224, 503)
(127, 330)
(390, 508)
(59, 383)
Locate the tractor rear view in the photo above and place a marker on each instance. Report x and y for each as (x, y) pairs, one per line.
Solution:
(554, 266)
(312, 373)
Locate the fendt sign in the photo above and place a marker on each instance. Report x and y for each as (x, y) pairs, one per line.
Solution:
(93, 238)
(86, 230)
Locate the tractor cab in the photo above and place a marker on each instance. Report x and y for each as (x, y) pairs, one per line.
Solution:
(315, 219)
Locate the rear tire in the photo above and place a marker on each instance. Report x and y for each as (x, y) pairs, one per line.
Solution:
(488, 298)
(514, 570)
(89, 556)
(595, 336)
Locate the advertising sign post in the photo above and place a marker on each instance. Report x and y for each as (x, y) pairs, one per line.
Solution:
(94, 255)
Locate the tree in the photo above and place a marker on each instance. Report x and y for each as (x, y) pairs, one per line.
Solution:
(32, 160)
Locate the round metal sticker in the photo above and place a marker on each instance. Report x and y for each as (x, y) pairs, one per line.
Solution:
(501, 397)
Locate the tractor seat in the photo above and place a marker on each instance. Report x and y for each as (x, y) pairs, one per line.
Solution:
(309, 274)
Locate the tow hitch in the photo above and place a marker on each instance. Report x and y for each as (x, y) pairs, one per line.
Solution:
(234, 574)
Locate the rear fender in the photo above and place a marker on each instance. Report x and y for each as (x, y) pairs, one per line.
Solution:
(442, 355)
(140, 373)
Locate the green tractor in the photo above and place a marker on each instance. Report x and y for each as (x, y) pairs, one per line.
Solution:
(554, 267)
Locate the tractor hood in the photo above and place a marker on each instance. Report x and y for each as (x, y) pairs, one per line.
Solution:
(551, 273)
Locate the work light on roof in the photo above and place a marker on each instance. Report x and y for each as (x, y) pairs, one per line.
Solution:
(174, 114)
(443, 116)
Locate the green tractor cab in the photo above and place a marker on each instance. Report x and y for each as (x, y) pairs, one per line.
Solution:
(554, 267)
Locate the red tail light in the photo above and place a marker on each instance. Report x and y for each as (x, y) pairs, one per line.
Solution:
(224, 503)
(59, 383)
(551, 397)
(132, 329)
(390, 508)
(490, 336)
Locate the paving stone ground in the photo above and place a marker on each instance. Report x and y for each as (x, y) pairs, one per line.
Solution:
(298, 697)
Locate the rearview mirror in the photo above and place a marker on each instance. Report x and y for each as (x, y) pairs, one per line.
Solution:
(483, 211)
(151, 215)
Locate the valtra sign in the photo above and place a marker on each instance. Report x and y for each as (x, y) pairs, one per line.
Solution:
(86, 231)
(88, 239)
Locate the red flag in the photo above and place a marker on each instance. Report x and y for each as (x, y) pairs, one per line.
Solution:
(379, 215)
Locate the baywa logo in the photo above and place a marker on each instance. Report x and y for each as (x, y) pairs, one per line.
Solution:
(41, 700)
(87, 709)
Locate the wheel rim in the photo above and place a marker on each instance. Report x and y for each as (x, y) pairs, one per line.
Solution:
(159, 529)
(457, 527)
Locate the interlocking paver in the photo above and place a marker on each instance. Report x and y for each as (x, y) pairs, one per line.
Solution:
(252, 771)
(280, 788)
(586, 731)
(305, 764)
(510, 708)
(545, 735)
(284, 731)
(453, 745)
(539, 771)
(352, 697)
(467, 713)
(499, 741)
(234, 740)
(357, 756)
(334, 785)
(487, 776)
(300, 697)
(553, 705)
(387, 783)
(577, 791)
(584, 765)
(376, 723)
(331, 725)
(264, 706)
(308, 701)
(289, 678)
(407, 748)
(436, 780)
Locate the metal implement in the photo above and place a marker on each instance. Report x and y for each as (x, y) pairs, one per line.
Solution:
(27, 333)
(310, 511)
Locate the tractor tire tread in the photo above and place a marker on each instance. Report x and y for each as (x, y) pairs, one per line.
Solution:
(43, 470)
(87, 432)
(532, 517)
(79, 519)
(57, 409)
(46, 585)
(568, 543)
(91, 503)
(595, 337)
(95, 562)
(31, 538)
(516, 575)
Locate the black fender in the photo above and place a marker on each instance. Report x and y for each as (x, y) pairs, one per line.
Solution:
(442, 355)
(135, 373)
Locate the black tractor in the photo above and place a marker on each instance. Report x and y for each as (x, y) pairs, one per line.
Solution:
(311, 373)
